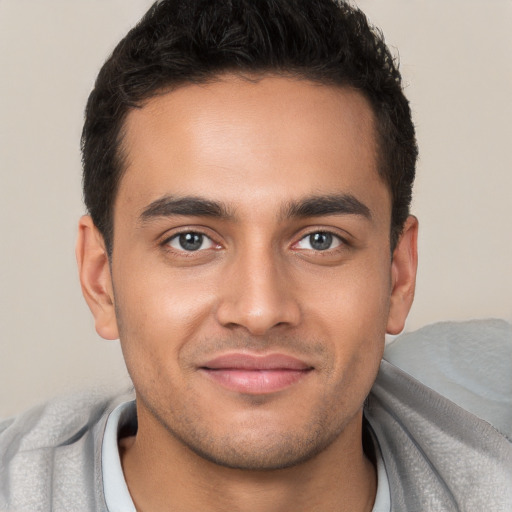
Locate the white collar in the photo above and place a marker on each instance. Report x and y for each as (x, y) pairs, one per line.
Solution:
(117, 495)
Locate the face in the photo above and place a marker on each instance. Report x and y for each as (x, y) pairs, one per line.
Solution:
(251, 279)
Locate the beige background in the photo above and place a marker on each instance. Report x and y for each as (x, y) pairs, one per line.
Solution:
(456, 62)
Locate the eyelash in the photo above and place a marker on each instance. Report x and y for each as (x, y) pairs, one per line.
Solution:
(166, 243)
(342, 242)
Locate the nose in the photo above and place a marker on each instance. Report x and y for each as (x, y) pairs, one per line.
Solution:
(257, 294)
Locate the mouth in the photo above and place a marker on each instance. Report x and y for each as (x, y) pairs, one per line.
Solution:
(256, 374)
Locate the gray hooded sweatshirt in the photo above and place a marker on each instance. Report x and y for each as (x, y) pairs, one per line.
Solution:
(438, 456)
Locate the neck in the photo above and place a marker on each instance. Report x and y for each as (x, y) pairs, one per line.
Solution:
(163, 474)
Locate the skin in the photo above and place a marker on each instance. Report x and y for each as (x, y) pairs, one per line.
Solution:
(256, 286)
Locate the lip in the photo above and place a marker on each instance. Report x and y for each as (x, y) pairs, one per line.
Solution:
(255, 374)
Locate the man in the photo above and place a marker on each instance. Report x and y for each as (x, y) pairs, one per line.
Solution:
(248, 169)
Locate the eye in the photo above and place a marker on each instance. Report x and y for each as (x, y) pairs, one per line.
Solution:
(190, 242)
(319, 241)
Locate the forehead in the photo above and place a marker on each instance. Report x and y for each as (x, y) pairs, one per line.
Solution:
(235, 139)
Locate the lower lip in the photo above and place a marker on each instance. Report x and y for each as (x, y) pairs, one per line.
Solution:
(256, 381)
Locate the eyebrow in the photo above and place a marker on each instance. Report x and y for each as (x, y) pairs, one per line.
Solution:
(323, 205)
(168, 206)
(312, 206)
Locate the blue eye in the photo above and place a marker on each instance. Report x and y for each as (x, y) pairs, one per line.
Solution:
(190, 242)
(319, 241)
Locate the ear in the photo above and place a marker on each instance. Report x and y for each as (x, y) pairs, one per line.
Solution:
(95, 278)
(403, 276)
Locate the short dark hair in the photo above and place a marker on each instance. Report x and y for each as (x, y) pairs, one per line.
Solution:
(196, 41)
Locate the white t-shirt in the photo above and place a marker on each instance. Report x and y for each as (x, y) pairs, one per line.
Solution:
(117, 496)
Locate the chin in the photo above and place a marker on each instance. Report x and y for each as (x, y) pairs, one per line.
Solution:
(263, 451)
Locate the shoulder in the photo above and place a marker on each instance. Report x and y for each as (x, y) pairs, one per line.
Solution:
(469, 363)
(58, 441)
(55, 422)
(432, 420)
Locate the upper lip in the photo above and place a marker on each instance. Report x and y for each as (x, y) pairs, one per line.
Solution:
(244, 361)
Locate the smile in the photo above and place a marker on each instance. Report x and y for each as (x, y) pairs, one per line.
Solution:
(252, 374)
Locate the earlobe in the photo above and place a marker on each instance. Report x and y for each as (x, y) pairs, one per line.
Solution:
(403, 276)
(95, 277)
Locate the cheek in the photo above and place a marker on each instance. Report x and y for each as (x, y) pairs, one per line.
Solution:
(351, 310)
(157, 314)
(354, 297)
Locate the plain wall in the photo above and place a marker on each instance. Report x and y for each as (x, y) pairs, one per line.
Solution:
(457, 69)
